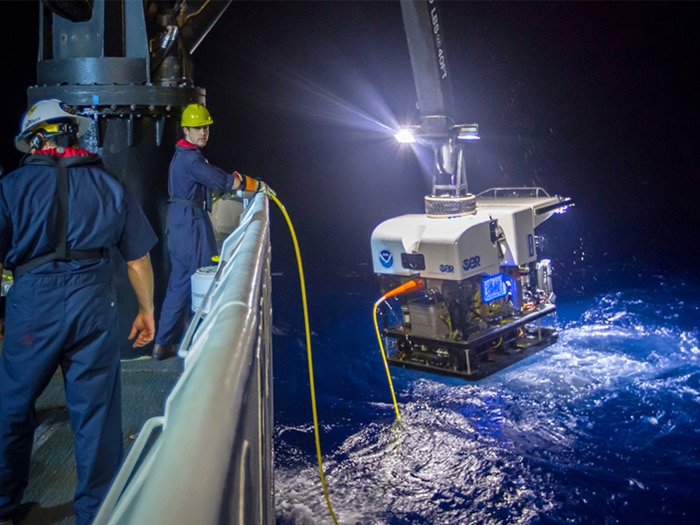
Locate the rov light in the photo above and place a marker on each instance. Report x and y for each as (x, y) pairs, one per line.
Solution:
(404, 136)
(468, 132)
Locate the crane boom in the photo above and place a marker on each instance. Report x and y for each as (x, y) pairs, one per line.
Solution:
(426, 45)
(437, 130)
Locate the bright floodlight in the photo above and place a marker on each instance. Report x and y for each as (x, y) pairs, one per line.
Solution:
(404, 136)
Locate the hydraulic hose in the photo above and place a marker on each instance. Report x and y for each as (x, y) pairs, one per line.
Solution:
(274, 198)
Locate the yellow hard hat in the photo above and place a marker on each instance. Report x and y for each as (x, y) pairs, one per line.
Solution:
(195, 116)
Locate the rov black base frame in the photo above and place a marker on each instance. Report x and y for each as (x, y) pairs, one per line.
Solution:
(480, 356)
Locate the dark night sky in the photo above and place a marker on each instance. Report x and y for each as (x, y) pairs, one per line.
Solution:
(594, 100)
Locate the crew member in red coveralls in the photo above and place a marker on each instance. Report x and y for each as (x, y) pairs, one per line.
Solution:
(60, 213)
(190, 234)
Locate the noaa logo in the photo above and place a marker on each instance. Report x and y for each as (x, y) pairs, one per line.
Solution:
(471, 263)
(386, 259)
(447, 268)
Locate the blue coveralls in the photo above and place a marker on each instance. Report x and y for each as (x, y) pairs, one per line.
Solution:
(189, 233)
(64, 313)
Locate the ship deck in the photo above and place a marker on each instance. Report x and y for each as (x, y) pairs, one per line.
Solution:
(48, 499)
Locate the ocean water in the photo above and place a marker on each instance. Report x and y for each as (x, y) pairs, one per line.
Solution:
(603, 427)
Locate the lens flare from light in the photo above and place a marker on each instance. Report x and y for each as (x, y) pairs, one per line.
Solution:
(405, 136)
(296, 93)
(367, 113)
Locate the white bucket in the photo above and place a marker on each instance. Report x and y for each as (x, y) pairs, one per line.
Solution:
(201, 282)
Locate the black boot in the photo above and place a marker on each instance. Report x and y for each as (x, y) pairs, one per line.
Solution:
(161, 352)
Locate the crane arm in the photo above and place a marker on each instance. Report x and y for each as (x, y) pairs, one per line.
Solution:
(426, 45)
(437, 130)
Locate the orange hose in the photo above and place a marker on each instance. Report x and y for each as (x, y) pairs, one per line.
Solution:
(408, 286)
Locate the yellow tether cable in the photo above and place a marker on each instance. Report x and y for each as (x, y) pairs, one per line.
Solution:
(386, 364)
(408, 286)
(308, 352)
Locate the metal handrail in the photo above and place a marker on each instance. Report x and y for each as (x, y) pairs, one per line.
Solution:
(513, 192)
(212, 461)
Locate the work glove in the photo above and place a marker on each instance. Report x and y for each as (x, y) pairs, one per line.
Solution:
(264, 188)
(248, 183)
(229, 196)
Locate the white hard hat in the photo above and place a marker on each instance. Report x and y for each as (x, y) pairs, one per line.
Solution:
(43, 114)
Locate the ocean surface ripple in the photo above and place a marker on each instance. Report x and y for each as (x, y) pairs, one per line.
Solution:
(601, 427)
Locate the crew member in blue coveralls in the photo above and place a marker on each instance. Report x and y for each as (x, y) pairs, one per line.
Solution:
(190, 234)
(60, 213)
